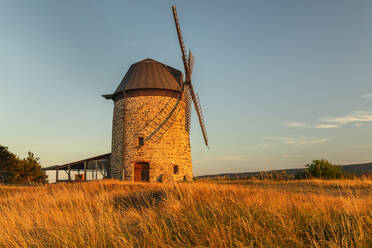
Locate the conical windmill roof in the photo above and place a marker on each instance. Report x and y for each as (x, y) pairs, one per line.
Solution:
(150, 74)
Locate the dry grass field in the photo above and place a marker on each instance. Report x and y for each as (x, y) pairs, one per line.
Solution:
(309, 213)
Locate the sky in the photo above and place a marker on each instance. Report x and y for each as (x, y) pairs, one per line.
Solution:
(281, 83)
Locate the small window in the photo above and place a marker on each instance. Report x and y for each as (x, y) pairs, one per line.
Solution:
(175, 169)
(141, 141)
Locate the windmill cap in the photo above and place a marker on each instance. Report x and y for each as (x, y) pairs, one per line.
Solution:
(150, 74)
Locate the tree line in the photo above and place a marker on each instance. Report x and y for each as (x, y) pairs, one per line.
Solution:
(14, 170)
(321, 168)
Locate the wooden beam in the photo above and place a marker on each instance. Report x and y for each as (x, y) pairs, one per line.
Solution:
(57, 176)
(104, 156)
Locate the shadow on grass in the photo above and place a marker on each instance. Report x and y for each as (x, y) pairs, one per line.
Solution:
(139, 199)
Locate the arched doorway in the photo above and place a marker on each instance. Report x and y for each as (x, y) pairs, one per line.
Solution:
(141, 172)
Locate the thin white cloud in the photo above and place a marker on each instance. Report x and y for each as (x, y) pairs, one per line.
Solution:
(268, 144)
(286, 140)
(310, 142)
(295, 141)
(334, 122)
(296, 124)
(325, 126)
(305, 125)
(356, 116)
(367, 95)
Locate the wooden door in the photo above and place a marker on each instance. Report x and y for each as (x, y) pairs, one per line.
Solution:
(141, 172)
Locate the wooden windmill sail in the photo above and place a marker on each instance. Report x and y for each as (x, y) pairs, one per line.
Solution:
(188, 66)
(158, 126)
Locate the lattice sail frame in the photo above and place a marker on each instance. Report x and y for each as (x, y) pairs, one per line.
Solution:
(188, 64)
(158, 126)
(187, 110)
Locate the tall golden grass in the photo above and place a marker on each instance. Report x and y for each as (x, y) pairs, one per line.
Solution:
(256, 214)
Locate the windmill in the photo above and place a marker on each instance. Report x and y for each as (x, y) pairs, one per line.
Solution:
(151, 121)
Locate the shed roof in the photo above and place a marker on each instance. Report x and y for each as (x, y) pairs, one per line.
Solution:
(77, 164)
(150, 74)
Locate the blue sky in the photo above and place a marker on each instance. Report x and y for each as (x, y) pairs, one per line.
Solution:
(281, 82)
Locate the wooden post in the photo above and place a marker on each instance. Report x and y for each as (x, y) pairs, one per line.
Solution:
(69, 173)
(85, 170)
(96, 170)
(102, 171)
(56, 175)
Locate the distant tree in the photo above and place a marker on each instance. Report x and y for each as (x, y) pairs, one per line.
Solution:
(15, 170)
(30, 170)
(324, 169)
(9, 165)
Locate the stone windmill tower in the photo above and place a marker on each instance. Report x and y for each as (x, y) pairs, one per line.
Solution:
(151, 122)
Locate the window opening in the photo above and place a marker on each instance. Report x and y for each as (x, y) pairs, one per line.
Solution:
(141, 142)
(175, 169)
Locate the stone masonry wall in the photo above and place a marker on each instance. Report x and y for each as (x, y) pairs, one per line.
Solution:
(172, 149)
(117, 145)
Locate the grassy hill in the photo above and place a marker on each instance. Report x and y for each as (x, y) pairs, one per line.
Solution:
(306, 213)
(358, 169)
(355, 169)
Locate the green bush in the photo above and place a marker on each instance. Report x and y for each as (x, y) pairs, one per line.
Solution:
(324, 169)
(15, 170)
